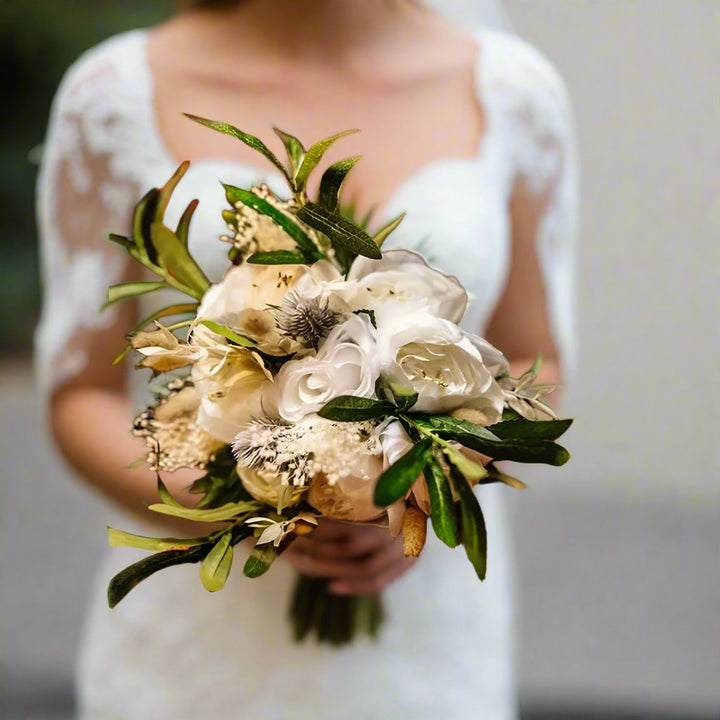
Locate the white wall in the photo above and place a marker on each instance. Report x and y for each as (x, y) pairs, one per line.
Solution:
(620, 549)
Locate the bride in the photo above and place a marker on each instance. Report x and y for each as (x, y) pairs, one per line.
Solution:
(465, 127)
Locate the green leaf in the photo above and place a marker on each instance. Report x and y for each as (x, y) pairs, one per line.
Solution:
(404, 397)
(306, 246)
(225, 512)
(494, 474)
(348, 408)
(331, 181)
(344, 233)
(293, 147)
(131, 576)
(442, 506)
(314, 155)
(122, 241)
(119, 358)
(177, 262)
(119, 538)
(181, 309)
(215, 568)
(531, 429)
(249, 140)
(228, 333)
(481, 439)
(143, 217)
(277, 257)
(260, 559)
(469, 468)
(382, 234)
(165, 495)
(472, 524)
(123, 291)
(166, 191)
(395, 482)
(183, 226)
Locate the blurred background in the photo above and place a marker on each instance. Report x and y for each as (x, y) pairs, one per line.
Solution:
(619, 551)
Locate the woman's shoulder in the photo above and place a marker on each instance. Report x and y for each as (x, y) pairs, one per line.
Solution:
(114, 66)
(517, 65)
(525, 91)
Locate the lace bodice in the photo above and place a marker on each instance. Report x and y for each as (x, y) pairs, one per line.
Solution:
(171, 650)
(104, 150)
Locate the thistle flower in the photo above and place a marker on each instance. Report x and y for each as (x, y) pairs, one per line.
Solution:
(306, 318)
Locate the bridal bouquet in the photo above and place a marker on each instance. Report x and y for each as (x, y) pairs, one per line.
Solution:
(320, 378)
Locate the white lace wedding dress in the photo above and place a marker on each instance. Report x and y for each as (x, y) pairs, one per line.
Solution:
(171, 650)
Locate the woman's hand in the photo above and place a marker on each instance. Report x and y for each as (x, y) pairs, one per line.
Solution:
(357, 559)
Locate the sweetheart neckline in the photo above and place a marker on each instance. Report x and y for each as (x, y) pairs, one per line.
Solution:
(273, 177)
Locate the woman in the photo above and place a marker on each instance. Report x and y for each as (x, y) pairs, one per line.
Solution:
(468, 132)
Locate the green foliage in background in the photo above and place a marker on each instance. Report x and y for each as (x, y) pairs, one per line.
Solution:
(39, 39)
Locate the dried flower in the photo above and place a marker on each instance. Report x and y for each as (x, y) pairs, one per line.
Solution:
(171, 431)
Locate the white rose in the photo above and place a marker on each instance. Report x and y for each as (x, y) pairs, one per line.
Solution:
(403, 281)
(345, 365)
(440, 362)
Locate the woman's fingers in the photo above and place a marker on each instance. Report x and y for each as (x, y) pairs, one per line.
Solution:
(359, 542)
(373, 569)
(375, 584)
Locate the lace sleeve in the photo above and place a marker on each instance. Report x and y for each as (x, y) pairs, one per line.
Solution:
(539, 136)
(85, 190)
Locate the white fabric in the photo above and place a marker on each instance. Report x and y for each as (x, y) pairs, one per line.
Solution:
(171, 650)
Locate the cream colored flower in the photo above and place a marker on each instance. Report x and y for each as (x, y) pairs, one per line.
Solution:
(230, 381)
(162, 351)
(267, 486)
(276, 530)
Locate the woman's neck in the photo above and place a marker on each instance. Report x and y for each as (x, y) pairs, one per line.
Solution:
(308, 30)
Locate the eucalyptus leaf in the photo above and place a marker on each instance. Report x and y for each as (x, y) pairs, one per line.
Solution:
(277, 257)
(177, 262)
(331, 181)
(442, 506)
(215, 568)
(228, 334)
(306, 246)
(472, 524)
(384, 232)
(348, 408)
(340, 231)
(249, 140)
(313, 156)
(124, 291)
(119, 538)
(395, 482)
(260, 559)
